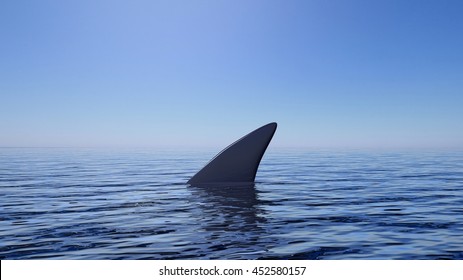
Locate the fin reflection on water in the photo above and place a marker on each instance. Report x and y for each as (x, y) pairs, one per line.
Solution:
(238, 163)
(239, 196)
(231, 203)
(232, 219)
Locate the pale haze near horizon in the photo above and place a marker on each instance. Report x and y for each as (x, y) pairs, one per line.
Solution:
(332, 74)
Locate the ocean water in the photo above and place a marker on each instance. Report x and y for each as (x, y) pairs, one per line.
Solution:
(134, 204)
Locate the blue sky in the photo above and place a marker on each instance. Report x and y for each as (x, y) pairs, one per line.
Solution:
(333, 74)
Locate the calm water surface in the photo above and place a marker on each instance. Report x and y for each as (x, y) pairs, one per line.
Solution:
(102, 204)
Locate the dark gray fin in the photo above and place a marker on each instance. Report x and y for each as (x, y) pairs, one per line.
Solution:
(237, 163)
